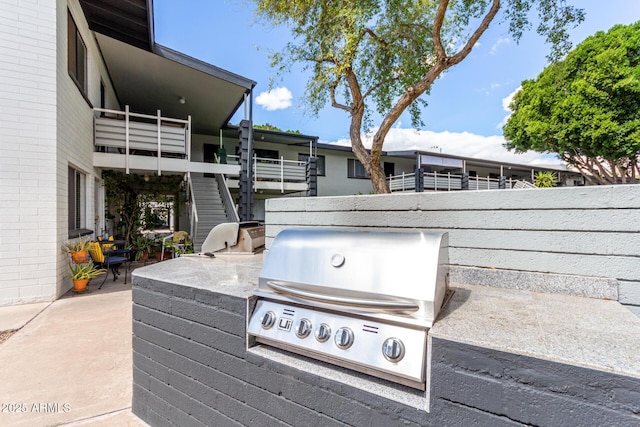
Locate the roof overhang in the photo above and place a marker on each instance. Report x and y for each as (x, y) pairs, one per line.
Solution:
(149, 77)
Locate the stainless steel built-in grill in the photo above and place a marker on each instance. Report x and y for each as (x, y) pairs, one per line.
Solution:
(364, 300)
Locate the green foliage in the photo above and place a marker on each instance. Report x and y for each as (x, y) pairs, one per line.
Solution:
(585, 108)
(268, 126)
(140, 201)
(76, 245)
(545, 179)
(84, 271)
(141, 244)
(372, 56)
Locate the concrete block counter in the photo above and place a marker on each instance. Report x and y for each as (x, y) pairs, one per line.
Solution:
(497, 357)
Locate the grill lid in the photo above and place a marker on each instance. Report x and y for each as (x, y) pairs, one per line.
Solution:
(400, 274)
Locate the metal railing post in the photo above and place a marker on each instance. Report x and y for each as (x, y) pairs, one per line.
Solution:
(448, 181)
(281, 174)
(255, 171)
(435, 181)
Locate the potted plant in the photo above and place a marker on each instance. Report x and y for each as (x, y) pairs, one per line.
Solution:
(143, 247)
(82, 273)
(78, 249)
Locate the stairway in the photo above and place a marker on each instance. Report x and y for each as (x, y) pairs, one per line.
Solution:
(209, 206)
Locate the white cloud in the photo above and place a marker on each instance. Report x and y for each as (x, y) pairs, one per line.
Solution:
(275, 99)
(458, 143)
(501, 41)
(505, 106)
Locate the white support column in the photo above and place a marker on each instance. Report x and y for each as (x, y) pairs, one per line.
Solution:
(189, 138)
(159, 143)
(126, 139)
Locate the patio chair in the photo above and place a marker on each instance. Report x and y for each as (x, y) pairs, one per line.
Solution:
(108, 261)
(179, 240)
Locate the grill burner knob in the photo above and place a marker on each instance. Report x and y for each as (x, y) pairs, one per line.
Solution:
(344, 338)
(393, 349)
(268, 320)
(304, 328)
(323, 332)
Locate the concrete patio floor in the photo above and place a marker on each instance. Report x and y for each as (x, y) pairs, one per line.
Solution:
(69, 364)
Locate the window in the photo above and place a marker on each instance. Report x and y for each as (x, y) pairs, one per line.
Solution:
(76, 55)
(266, 154)
(389, 169)
(319, 163)
(77, 200)
(355, 169)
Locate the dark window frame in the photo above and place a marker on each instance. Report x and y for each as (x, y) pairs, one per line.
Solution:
(356, 170)
(76, 55)
(321, 163)
(77, 201)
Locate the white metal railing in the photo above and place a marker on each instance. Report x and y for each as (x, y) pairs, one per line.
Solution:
(404, 182)
(482, 183)
(278, 170)
(442, 181)
(227, 200)
(129, 131)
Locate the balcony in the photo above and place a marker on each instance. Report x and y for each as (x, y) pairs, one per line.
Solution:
(275, 175)
(128, 141)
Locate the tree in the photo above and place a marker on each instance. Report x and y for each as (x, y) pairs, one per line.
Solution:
(379, 56)
(585, 108)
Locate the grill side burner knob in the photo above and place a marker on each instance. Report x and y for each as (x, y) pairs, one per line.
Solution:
(268, 320)
(323, 332)
(304, 328)
(393, 349)
(344, 338)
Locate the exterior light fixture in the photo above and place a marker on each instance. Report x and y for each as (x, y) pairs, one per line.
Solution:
(181, 100)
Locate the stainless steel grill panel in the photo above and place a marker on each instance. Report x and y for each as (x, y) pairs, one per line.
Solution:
(375, 293)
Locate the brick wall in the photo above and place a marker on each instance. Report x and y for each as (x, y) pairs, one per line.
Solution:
(191, 368)
(28, 240)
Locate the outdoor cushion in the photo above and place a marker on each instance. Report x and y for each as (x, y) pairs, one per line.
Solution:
(96, 252)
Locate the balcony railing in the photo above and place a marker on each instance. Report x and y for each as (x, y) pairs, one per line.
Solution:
(278, 170)
(448, 182)
(134, 133)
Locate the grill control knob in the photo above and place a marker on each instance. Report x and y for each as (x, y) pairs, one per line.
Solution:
(393, 349)
(344, 338)
(304, 328)
(268, 320)
(323, 332)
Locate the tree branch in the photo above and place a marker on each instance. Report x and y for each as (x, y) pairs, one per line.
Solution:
(335, 103)
(374, 36)
(495, 6)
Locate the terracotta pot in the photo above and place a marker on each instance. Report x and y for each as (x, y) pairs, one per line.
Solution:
(80, 257)
(144, 256)
(80, 285)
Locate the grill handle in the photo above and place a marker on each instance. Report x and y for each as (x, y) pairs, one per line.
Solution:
(358, 302)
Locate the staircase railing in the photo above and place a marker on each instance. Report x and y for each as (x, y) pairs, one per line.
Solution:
(194, 210)
(227, 200)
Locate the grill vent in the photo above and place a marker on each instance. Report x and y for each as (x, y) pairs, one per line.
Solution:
(288, 312)
(372, 329)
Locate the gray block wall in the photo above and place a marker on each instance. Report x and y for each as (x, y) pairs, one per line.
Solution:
(191, 368)
(592, 233)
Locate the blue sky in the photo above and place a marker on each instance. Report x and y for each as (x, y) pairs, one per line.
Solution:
(466, 105)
